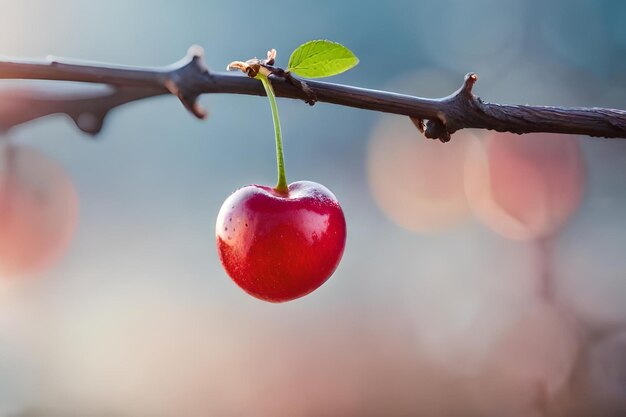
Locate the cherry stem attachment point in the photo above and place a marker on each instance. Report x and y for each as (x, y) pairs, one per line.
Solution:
(281, 186)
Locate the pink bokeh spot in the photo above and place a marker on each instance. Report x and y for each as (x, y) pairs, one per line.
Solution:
(525, 187)
(38, 211)
(418, 182)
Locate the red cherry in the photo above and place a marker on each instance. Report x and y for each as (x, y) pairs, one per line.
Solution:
(281, 246)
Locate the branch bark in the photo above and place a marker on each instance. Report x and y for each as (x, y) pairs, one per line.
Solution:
(189, 78)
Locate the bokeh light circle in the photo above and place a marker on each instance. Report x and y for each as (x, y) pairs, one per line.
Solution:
(417, 182)
(537, 349)
(38, 211)
(525, 187)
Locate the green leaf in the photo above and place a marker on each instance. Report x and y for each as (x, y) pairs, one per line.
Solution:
(321, 58)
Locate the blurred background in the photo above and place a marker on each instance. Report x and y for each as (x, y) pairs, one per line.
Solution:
(483, 277)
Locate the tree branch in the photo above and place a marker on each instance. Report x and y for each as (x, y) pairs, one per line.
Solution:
(87, 110)
(189, 78)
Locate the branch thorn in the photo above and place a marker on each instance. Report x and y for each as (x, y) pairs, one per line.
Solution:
(89, 122)
(186, 79)
(468, 83)
(436, 129)
(419, 123)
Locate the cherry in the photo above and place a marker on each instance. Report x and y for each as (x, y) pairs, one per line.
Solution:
(280, 243)
(281, 246)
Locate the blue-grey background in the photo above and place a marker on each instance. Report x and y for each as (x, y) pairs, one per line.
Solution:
(138, 318)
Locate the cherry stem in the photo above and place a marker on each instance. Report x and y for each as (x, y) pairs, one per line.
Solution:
(281, 186)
